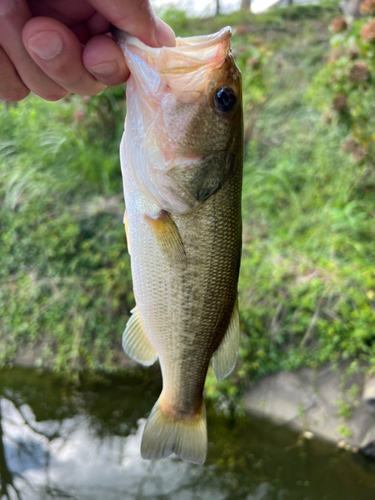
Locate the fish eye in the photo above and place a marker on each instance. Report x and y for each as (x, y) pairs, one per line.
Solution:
(224, 99)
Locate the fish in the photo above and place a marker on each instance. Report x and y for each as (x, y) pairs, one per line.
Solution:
(182, 160)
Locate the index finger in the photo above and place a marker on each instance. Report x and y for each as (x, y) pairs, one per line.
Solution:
(137, 18)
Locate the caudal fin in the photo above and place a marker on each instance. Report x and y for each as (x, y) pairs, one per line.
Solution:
(165, 434)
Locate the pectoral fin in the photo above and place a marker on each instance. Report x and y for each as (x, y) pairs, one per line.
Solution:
(225, 356)
(135, 343)
(168, 237)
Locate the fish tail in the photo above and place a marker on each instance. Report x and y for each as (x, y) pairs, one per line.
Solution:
(166, 433)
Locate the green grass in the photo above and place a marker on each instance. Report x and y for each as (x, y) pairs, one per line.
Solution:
(64, 273)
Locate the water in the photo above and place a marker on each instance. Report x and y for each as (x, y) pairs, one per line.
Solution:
(59, 441)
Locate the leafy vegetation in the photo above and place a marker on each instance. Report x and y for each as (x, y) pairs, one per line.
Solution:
(65, 276)
(307, 284)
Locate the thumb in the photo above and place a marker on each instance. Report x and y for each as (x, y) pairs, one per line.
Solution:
(137, 18)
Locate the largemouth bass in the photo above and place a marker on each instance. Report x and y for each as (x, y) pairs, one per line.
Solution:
(181, 158)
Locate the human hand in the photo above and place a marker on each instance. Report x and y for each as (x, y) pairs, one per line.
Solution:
(53, 47)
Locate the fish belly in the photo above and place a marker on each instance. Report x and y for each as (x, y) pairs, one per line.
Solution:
(185, 307)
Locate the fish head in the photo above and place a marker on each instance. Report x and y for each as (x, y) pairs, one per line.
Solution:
(184, 118)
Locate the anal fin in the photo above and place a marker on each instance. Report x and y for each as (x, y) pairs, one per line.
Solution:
(225, 356)
(135, 343)
(168, 237)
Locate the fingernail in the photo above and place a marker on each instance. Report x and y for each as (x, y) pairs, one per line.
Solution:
(164, 34)
(105, 69)
(46, 45)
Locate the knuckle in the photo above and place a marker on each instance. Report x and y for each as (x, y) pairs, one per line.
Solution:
(112, 80)
(95, 89)
(142, 8)
(8, 8)
(65, 76)
(14, 95)
(81, 86)
(56, 95)
(143, 5)
(76, 80)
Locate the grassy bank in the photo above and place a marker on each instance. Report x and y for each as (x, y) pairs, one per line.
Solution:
(307, 279)
(65, 272)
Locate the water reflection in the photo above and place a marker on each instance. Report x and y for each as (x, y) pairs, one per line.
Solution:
(61, 442)
(69, 459)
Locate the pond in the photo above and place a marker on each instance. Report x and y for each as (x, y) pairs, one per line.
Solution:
(70, 441)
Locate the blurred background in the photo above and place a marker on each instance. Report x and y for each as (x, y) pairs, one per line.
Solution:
(307, 283)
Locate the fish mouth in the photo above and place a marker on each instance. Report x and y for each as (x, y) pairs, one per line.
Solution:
(188, 55)
(201, 41)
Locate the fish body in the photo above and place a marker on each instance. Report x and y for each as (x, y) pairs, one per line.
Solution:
(181, 158)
